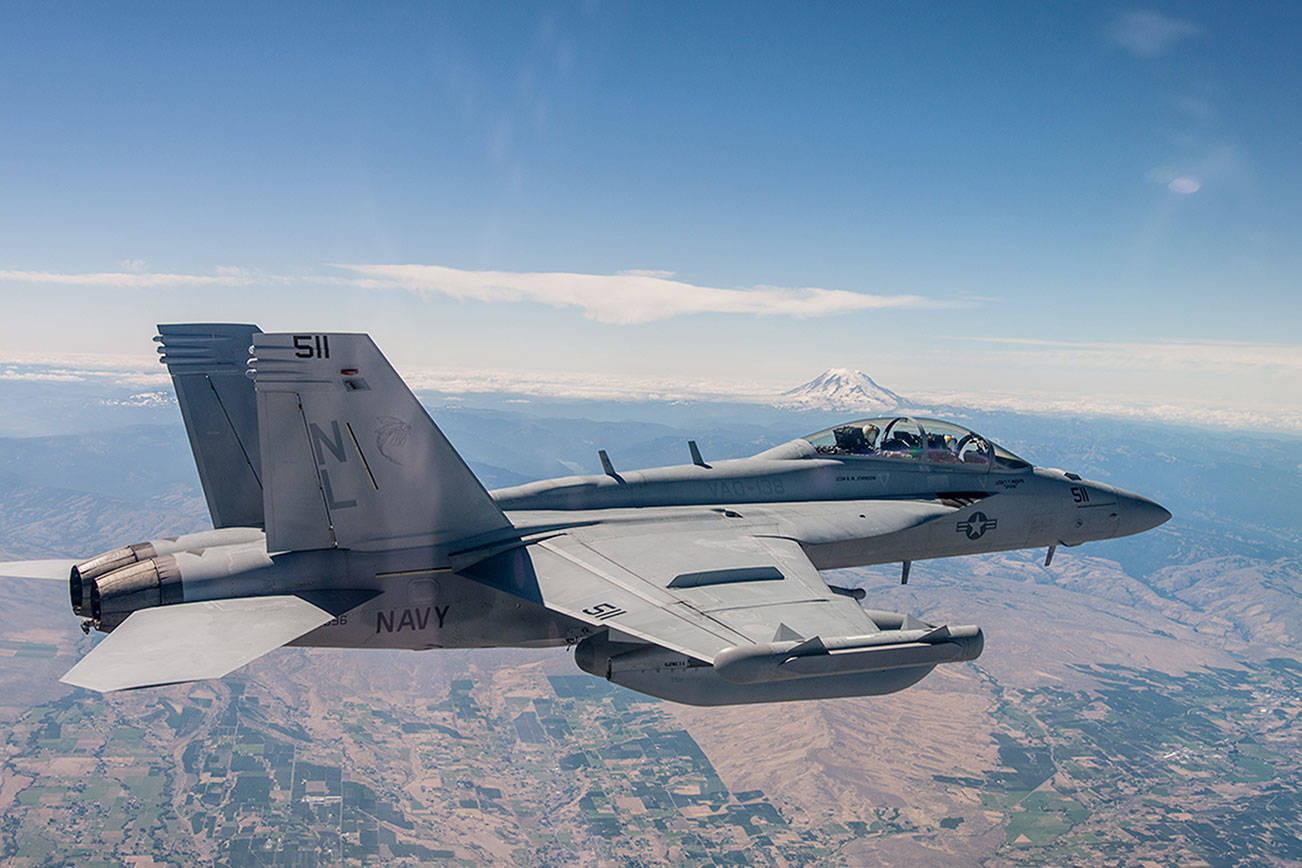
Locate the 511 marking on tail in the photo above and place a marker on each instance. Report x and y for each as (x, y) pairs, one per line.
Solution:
(312, 346)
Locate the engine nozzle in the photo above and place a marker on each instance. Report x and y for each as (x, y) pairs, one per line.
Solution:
(83, 575)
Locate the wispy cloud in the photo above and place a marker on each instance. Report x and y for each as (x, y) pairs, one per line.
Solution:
(57, 367)
(137, 279)
(1222, 357)
(42, 374)
(1145, 33)
(1182, 412)
(1225, 164)
(623, 298)
(1196, 107)
(586, 385)
(14, 374)
(627, 297)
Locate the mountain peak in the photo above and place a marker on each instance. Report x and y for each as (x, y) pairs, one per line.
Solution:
(841, 389)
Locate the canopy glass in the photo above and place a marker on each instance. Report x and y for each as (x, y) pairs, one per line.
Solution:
(905, 438)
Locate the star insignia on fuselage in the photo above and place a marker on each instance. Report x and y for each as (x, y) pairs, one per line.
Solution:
(976, 525)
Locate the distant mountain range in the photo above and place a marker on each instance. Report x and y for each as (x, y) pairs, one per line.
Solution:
(840, 389)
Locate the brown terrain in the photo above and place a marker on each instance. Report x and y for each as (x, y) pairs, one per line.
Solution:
(1118, 715)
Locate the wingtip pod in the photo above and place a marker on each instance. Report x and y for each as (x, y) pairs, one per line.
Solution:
(889, 649)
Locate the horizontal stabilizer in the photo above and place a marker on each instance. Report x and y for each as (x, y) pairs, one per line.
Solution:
(193, 641)
(57, 569)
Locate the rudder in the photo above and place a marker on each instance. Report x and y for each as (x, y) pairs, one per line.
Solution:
(207, 363)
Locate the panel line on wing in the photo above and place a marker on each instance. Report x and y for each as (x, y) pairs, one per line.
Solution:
(716, 609)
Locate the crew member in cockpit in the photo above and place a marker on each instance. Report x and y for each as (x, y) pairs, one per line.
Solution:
(855, 439)
(870, 433)
(941, 447)
(847, 438)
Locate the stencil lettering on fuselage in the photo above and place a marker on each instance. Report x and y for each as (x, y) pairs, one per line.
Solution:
(745, 488)
(411, 618)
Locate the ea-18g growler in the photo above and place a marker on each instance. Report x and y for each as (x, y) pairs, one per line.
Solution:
(344, 518)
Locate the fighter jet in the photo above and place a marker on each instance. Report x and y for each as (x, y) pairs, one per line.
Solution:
(344, 518)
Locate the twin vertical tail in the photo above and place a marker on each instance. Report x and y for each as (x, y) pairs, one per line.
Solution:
(317, 440)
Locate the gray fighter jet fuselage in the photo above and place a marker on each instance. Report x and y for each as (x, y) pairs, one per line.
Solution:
(1004, 505)
(694, 582)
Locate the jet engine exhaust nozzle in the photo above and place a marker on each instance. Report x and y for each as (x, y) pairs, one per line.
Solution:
(83, 575)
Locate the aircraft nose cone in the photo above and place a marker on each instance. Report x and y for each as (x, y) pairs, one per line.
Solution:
(1139, 514)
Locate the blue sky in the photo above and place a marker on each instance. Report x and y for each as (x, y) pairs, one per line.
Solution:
(1093, 201)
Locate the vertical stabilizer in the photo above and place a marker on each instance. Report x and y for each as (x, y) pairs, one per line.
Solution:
(352, 459)
(207, 363)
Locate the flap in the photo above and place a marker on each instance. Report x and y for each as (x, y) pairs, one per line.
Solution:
(207, 362)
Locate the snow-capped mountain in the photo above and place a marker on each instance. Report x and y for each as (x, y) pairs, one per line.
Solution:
(840, 389)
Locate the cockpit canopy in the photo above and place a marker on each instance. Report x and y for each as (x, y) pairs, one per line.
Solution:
(905, 438)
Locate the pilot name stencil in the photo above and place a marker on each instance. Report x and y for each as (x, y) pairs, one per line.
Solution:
(976, 525)
(414, 619)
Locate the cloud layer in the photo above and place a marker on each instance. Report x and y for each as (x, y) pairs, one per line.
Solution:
(1239, 358)
(627, 297)
(512, 385)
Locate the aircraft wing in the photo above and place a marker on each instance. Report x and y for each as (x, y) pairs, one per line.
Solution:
(192, 641)
(692, 589)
